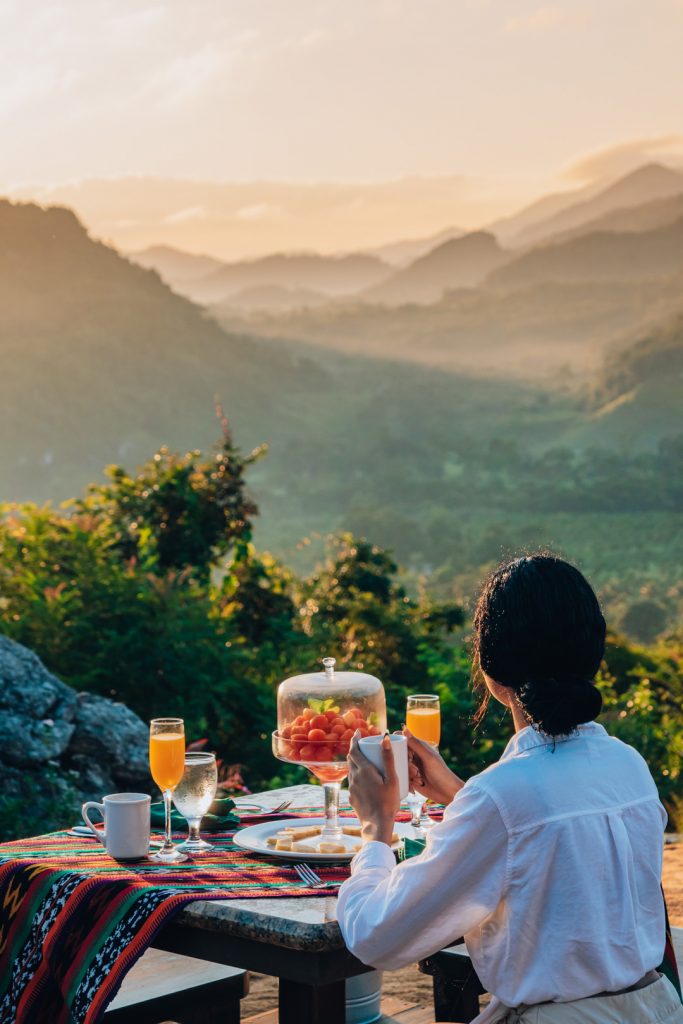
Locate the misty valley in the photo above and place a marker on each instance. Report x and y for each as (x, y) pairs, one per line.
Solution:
(451, 399)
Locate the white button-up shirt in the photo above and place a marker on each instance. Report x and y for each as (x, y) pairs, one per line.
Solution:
(549, 863)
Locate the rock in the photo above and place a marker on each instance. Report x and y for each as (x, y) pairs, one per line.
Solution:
(91, 780)
(112, 736)
(59, 747)
(37, 710)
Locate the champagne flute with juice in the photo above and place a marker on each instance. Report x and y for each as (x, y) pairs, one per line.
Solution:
(423, 719)
(167, 763)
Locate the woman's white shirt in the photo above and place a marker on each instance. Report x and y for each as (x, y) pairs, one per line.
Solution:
(548, 863)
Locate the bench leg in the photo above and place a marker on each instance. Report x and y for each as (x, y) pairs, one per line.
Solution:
(312, 1004)
(456, 1001)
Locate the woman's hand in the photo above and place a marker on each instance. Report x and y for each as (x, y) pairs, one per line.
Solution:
(373, 796)
(429, 773)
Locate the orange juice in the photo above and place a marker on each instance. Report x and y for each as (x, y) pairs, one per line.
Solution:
(167, 758)
(425, 723)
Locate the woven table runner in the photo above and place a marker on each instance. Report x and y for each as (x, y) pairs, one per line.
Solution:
(73, 921)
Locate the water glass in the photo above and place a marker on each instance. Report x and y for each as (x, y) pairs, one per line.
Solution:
(193, 796)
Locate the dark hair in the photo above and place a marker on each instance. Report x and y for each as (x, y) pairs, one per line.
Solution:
(538, 629)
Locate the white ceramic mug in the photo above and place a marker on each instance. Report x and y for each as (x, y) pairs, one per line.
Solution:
(126, 824)
(371, 747)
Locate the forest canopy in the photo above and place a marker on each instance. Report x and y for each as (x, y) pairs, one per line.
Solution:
(149, 589)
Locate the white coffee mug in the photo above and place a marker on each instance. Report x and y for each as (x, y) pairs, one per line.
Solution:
(126, 824)
(372, 749)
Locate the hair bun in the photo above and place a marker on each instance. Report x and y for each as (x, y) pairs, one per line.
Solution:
(557, 706)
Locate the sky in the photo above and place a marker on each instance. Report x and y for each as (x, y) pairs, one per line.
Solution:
(503, 99)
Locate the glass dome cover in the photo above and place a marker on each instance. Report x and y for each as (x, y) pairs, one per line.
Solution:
(321, 691)
(317, 715)
(354, 700)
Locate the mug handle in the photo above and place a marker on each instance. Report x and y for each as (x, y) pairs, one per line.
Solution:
(99, 833)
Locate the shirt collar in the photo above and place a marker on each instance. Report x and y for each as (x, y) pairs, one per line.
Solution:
(532, 737)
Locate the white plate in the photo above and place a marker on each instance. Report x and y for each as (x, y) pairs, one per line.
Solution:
(254, 838)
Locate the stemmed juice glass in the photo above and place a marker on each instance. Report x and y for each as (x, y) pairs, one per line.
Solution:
(423, 718)
(167, 763)
(193, 796)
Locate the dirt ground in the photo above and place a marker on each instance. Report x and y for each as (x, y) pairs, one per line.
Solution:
(414, 987)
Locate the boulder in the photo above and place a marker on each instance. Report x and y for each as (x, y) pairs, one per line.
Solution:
(59, 747)
(37, 710)
(91, 779)
(112, 736)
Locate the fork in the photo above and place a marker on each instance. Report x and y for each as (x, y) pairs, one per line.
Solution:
(308, 875)
(281, 807)
(266, 810)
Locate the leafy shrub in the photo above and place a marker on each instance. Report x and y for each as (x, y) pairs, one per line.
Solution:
(149, 590)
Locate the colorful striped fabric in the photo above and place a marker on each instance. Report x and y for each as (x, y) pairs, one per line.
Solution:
(73, 921)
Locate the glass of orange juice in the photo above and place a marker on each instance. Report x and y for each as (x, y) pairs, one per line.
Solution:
(423, 717)
(167, 764)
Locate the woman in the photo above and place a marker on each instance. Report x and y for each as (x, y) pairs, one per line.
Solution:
(548, 862)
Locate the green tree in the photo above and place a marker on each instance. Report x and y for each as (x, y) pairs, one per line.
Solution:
(177, 512)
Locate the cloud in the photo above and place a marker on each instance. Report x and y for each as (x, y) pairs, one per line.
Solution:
(193, 75)
(620, 159)
(259, 211)
(548, 18)
(188, 214)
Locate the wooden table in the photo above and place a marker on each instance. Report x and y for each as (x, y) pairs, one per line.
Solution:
(295, 939)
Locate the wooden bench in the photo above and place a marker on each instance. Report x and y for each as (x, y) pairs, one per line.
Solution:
(457, 987)
(168, 987)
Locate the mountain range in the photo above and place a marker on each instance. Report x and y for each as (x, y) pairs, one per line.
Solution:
(656, 213)
(458, 263)
(400, 254)
(651, 181)
(597, 256)
(173, 265)
(326, 275)
(519, 249)
(428, 428)
(563, 211)
(103, 361)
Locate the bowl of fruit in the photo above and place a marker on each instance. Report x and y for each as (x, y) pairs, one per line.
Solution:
(318, 714)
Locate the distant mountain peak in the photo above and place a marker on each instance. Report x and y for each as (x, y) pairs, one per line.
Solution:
(597, 256)
(407, 250)
(650, 181)
(649, 172)
(473, 239)
(174, 265)
(457, 263)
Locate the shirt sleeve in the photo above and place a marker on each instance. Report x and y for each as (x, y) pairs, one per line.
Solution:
(392, 915)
